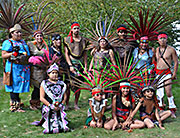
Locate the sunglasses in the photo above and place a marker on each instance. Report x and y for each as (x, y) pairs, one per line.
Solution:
(18, 32)
(98, 94)
(122, 31)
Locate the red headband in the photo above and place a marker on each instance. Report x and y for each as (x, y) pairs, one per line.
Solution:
(70, 33)
(162, 36)
(94, 91)
(125, 86)
(121, 28)
(75, 24)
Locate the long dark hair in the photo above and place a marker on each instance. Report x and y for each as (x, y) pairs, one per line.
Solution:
(130, 97)
(107, 46)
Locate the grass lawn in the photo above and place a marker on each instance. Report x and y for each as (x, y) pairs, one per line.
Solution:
(17, 125)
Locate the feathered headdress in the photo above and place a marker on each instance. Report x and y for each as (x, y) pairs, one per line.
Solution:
(43, 23)
(152, 82)
(102, 31)
(95, 82)
(125, 72)
(9, 15)
(145, 27)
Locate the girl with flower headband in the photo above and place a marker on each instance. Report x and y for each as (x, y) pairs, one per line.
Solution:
(52, 95)
(122, 106)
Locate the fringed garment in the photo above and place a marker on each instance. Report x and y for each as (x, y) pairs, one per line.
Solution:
(53, 121)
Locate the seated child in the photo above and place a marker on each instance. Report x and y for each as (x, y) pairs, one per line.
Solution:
(122, 105)
(52, 92)
(149, 109)
(97, 105)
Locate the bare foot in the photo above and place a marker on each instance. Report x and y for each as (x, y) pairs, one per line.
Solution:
(76, 107)
(173, 110)
(20, 110)
(173, 114)
(32, 107)
(66, 108)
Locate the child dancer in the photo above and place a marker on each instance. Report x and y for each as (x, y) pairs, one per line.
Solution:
(51, 95)
(148, 108)
(97, 84)
(122, 105)
(97, 103)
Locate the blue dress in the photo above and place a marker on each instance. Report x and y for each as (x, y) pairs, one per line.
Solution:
(20, 73)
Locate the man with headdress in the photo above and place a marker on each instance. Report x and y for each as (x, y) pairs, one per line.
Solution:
(122, 47)
(165, 55)
(36, 49)
(75, 53)
(16, 52)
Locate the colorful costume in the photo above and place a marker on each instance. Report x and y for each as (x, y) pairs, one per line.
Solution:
(76, 52)
(147, 110)
(122, 110)
(53, 121)
(100, 59)
(20, 73)
(97, 108)
(43, 25)
(76, 49)
(13, 19)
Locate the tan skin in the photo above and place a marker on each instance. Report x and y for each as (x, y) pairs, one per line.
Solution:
(38, 38)
(122, 34)
(103, 43)
(113, 123)
(170, 56)
(144, 47)
(76, 37)
(99, 123)
(16, 36)
(148, 94)
(53, 77)
(57, 43)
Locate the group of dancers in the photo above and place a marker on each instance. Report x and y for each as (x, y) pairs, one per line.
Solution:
(124, 69)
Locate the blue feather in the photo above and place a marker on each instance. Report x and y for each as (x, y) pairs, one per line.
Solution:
(35, 28)
(104, 31)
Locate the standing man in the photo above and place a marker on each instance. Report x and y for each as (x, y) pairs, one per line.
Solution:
(122, 47)
(165, 55)
(75, 53)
